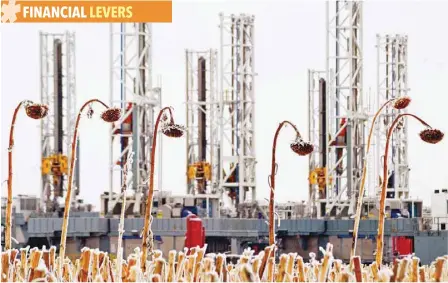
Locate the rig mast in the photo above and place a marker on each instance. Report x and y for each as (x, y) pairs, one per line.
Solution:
(202, 109)
(344, 104)
(237, 109)
(392, 82)
(58, 91)
(316, 132)
(131, 88)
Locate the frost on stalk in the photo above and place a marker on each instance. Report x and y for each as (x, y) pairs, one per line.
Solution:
(384, 275)
(90, 112)
(126, 170)
(312, 257)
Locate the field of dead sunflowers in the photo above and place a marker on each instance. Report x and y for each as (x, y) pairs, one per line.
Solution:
(196, 265)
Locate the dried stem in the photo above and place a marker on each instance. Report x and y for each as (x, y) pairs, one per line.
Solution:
(272, 181)
(326, 263)
(421, 274)
(402, 270)
(357, 268)
(124, 186)
(95, 266)
(382, 212)
(68, 197)
(8, 223)
(363, 181)
(414, 271)
(146, 239)
(438, 269)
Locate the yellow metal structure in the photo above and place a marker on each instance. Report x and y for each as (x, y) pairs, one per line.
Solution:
(56, 164)
(319, 176)
(199, 170)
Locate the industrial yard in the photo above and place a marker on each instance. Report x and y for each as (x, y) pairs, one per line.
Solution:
(194, 165)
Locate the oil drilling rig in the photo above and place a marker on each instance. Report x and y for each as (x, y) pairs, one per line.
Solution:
(336, 167)
(338, 115)
(202, 140)
(220, 119)
(58, 91)
(220, 142)
(132, 90)
(202, 122)
(392, 83)
(237, 111)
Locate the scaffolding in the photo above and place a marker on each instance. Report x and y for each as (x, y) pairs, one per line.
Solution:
(316, 133)
(237, 109)
(392, 82)
(58, 91)
(344, 102)
(131, 89)
(202, 113)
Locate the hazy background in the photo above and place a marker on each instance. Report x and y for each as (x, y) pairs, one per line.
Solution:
(290, 38)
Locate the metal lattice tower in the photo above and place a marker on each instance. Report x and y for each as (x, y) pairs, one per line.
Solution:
(344, 102)
(58, 91)
(392, 82)
(237, 108)
(316, 120)
(202, 110)
(131, 88)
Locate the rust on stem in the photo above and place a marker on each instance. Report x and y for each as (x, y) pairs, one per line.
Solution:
(68, 196)
(40, 111)
(272, 181)
(382, 212)
(148, 218)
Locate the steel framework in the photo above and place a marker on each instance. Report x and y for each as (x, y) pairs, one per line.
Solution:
(202, 110)
(392, 82)
(316, 118)
(131, 88)
(344, 102)
(237, 111)
(58, 91)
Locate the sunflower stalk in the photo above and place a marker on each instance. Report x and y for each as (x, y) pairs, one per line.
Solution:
(126, 169)
(33, 111)
(109, 115)
(431, 136)
(170, 130)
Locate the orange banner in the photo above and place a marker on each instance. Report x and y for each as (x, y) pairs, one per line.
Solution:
(111, 11)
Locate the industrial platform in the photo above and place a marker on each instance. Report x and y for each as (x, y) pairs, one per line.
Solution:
(304, 236)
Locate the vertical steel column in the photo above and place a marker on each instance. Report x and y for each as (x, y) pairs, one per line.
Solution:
(58, 91)
(131, 89)
(346, 117)
(237, 113)
(392, 82)
(202, 110)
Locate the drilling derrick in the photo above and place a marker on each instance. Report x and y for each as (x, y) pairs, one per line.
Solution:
(237, 111)
(131, 89)
(202, 110)
(57, 74)
(316, 131)
(392, 83)
(345, 114)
